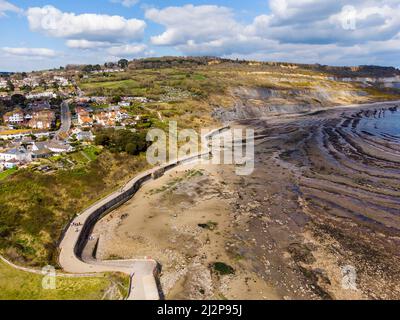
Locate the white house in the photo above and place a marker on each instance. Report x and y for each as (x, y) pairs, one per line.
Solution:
(61, 81)
(3, 84)
(9, 164)
(124, 104)
(14, 117)
(52, 146)
(120, 116)
(19, 154)
(85, 136)
(46, 94)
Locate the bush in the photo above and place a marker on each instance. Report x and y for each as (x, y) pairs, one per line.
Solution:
(222, 268)
(122, 141)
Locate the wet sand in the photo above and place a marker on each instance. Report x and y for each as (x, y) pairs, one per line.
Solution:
(333, 204)
(184, 221)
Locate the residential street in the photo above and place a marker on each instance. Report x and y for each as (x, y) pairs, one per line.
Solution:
(65, 121)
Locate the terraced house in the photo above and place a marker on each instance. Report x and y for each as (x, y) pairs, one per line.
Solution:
(15, 117)
(44, 119)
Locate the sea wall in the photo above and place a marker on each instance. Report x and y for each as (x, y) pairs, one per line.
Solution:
(134, 186)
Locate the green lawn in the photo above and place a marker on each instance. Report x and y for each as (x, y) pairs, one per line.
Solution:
(6, 173)
(79, 157)
(20, 285)
(92, 152)
(82, 157)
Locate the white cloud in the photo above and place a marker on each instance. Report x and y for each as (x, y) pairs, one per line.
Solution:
(192, 23)
(115, 50)
(293, 30)
(30, 52)
(6, 6)
(86, 44)
(126, 3)
(297, 30)
(128, 50)
(91, 27)
(313, 21)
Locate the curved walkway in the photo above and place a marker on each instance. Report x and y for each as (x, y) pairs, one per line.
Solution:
(40, 272)
(143, 272)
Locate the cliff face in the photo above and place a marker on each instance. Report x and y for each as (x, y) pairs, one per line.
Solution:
(261, 102)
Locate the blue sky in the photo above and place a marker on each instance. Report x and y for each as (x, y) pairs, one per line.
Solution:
(38, 34)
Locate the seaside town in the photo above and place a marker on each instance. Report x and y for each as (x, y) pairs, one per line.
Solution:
(45, 115)
(212, 151)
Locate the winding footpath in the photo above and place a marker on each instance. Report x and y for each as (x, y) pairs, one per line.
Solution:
(143, 272)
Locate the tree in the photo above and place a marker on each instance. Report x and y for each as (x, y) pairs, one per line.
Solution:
(122, 141)
(116, 99)
(102, 139)
(131, 148)
(109, 65)
(18, 99)
(43, 84)
(26, 88)
(123, 63)
(33, 137)
(10, 86)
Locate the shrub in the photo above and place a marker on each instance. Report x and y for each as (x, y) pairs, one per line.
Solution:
(222, 268)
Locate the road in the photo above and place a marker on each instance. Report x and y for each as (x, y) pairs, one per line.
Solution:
(65, 121)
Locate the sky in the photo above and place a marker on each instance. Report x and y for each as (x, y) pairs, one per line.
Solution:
(43, 34)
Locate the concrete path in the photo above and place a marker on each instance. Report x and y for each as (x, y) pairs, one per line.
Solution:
(142, 271)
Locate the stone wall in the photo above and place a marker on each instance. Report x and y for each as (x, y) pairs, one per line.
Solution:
(120, 199)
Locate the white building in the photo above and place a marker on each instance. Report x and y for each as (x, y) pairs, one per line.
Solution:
(61, 81)
(3, 84)
(52, 146)
(15, 117)
(9, 164)
(124, 104)
(46, 94)
(85, 136)
(19, 154)
(31, 81)
(121, 116)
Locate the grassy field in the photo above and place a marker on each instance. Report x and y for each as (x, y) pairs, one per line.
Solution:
(6, 173)
(35, 207)
(82, 157)
(91, 152)
(20, 285)
(109, 86)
